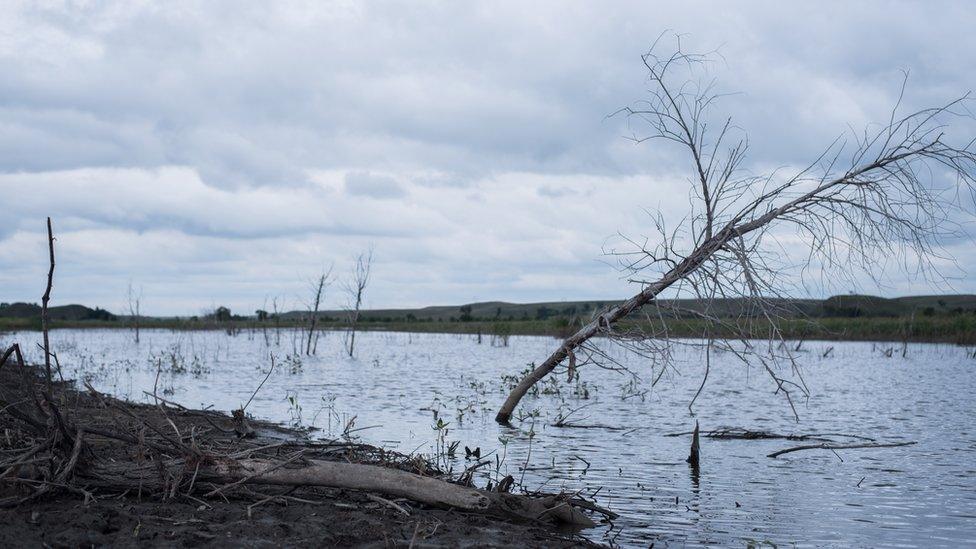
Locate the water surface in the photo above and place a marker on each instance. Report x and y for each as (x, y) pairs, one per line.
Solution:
(400, 384)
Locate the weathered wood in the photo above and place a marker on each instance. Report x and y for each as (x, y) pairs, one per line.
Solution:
(45, 320)
(355, 476)
(375, 479)
(609, 318)
(693, 456)
(827, 446)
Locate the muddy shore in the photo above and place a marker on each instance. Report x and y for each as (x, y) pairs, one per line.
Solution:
(87, 509)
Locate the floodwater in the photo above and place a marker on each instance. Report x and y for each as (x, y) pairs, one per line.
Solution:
(913, 496)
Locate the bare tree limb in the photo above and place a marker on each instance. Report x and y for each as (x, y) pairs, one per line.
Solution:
(890, 192)
(356, 290)
(45, 318)
(829, 446)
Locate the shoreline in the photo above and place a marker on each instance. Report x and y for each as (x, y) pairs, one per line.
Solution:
(955, 330)
(149, 497)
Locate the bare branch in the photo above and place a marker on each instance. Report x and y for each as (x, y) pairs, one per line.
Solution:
(883, 194)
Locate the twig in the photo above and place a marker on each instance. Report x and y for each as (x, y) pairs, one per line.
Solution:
(169, 402)
(115, 404)
(261, 384)
(194, 479)
(579, 502)
(584, 461)
(245, 453)
(388, 503)
(257, 503)
(413, 539)
(73, 460)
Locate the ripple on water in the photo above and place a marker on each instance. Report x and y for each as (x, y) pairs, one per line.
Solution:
(912, 496)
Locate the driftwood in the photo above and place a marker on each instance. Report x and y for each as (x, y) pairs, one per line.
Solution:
(825, 443)
(368, 478)
(309, 472)
(371, 479)
(746, 434)
(829, 446)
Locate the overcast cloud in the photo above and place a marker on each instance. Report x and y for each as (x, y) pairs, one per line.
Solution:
(220, 154)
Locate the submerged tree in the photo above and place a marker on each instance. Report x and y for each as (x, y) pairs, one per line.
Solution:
(891, 191)
(356, 288)
(318, 290)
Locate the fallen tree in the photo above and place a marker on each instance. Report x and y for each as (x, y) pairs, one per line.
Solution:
(737, 433)
(892, 193)
(829, 446)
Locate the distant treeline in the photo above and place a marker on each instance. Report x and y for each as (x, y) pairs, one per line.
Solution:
(947, 318)
(845, 306)
(63, 312)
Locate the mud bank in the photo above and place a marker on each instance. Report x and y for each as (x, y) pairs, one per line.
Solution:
(67, 480)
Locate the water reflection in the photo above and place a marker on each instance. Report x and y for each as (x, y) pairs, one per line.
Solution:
(400, 385)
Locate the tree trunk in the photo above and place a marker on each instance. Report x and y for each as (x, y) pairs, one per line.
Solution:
(354, 476)
(607, 319)
(687, 266)
(45, 320)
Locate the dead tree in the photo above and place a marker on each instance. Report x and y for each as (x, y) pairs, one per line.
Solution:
(262, 316)
(133, 302)
(318, 289)
(889, 191)
(277, 320)
(356, 289)
(45, 317)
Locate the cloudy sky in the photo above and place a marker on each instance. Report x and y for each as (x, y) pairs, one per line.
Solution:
(214, 154)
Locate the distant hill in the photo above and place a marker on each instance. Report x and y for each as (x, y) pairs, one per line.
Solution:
(841, 306)
(62, 312)
(866, 305)
(836, 306)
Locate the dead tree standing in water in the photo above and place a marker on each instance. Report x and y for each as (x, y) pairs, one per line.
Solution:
(134, 300)
(277, 320)
(889, 192)
(356, 290)
(318, 288)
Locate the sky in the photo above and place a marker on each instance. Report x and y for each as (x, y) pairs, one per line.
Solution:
(220, 154)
